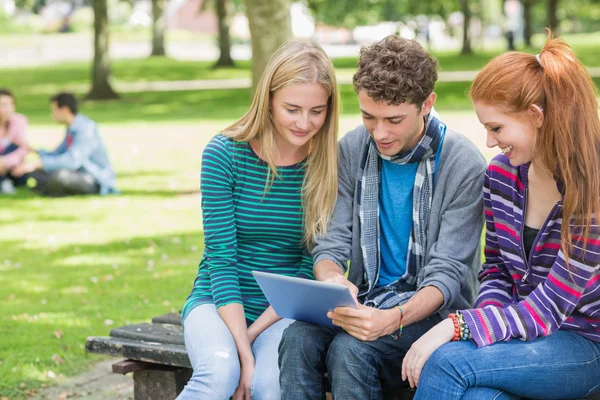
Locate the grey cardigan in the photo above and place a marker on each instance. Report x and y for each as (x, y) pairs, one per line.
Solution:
(453, 256)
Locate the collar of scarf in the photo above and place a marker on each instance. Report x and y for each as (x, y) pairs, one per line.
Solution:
(424, 153)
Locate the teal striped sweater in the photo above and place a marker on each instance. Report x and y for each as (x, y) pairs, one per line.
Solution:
(246, 229)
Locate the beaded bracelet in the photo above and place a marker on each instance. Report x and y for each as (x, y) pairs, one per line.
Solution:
(454, 319)
(465, 333)
(461, 329)
(395, 336)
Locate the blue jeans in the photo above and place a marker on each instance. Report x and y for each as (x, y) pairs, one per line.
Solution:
(355, 369)
(17, 181)
(563, 365)
(215, 361)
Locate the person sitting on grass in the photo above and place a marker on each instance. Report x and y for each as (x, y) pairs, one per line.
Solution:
(535, 328)
(13, 142)
(268, 184)
(80, 165)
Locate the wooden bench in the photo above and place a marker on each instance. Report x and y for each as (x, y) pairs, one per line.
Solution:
(156, 355)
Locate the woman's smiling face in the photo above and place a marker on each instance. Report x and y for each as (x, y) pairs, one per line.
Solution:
(513, 134)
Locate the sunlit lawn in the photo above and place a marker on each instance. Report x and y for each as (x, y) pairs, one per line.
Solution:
(200, 105)
(33, 86)
(75, 267)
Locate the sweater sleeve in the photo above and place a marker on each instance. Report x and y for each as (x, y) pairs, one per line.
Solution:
(458, 240)
(544, 310)
(18, 125)
(496, 283)
(220, 243)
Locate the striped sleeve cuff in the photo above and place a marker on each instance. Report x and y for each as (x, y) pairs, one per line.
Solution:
(484, 325)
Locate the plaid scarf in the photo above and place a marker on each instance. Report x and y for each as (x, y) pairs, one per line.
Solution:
(425, 154)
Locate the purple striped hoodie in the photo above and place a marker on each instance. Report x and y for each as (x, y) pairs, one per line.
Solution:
(524, 300)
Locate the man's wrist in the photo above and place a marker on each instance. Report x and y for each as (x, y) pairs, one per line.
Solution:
(393, 320)
(326, 269)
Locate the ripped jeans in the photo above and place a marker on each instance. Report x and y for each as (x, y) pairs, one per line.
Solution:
(214, 357)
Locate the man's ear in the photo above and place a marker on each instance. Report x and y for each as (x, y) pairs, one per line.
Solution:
(538, 115)
(428, 104)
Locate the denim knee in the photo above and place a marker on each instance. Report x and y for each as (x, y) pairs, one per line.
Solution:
(296, 340)
(442, 362)
(217, 382)
(265, 385)
(346, 350)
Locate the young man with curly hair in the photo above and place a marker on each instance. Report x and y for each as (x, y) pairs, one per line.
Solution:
(404, 236)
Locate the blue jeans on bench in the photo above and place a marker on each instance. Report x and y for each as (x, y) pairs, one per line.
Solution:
(563, 365)
(215, 361)
(355, 369)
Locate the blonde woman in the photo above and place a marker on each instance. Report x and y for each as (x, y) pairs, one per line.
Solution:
(269, 185)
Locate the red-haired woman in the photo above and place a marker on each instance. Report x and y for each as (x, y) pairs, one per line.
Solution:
(535, 331)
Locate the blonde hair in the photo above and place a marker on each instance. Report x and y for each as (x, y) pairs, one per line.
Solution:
(298, 62)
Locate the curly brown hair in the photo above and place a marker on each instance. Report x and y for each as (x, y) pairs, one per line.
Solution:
(396, 70)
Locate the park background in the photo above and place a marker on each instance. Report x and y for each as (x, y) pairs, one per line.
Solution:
(161, 78)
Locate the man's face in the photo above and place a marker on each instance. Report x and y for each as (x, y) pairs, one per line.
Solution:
(58, 114)
(7, 107)
(395, 128)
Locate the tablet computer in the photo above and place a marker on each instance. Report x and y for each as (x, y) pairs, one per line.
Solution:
(303, 299)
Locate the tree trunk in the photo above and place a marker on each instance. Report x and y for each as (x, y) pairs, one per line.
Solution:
(552, 19)
(527, 17)
(466, 10)
(270, 27)
(158, 28)
(101, 89)
(223, 15)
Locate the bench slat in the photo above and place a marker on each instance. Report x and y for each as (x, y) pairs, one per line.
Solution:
(170, 318)
(126, 366)
(153, 352)
(161, 333)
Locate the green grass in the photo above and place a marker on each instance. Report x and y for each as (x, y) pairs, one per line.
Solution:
(75, 267)
(208, 104)
(33, 86)
(198, 105)
(49, 79)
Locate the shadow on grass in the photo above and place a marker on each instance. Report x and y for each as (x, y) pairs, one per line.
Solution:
(139, 174)
(159, 193)
(54, 299)
(36, 218)
(23, 195)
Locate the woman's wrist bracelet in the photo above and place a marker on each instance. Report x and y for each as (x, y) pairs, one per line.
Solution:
(461, 329)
